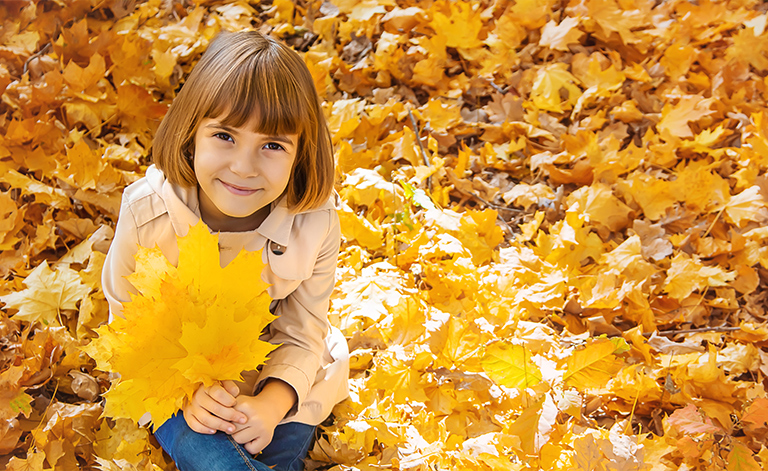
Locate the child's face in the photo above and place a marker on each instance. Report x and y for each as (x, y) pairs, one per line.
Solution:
(239, 173)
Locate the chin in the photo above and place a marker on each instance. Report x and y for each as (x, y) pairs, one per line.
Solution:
(238, 215)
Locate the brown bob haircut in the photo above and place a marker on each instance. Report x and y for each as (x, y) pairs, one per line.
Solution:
(242, 76)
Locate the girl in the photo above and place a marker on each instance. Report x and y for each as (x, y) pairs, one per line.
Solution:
(245, 147)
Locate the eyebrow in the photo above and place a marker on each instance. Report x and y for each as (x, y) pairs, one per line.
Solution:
(276, 138)
(283, 139)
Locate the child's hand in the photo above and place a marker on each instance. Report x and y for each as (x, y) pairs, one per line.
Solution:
(257, 432)
(264, 412)
(212, 409)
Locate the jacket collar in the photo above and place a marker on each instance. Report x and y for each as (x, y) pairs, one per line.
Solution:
(278, 225)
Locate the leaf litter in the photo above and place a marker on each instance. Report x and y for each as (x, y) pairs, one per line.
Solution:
(554, 254)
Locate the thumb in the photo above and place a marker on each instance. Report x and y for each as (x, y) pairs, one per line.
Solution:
(231, 388)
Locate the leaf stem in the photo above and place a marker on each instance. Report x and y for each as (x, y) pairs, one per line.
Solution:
(45, 412)
(421, 147)
(718, 328)
(628, 428)
(714, 222)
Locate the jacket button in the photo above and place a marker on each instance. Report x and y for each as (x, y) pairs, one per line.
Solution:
(276, 248)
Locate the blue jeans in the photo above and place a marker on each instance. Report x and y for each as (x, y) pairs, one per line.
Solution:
(196, 451)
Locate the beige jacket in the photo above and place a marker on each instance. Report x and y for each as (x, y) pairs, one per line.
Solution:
(301, 258)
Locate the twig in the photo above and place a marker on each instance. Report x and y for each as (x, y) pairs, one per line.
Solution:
(487, 203)
(421, 148)
(694, 331)
(714, 221)
(99, 126)
(496, 87)
(53, 397)
(491, 205)
(37, 54)
(628, 428)
(718, 328)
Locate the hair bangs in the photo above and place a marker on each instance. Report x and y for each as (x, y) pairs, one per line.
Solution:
(257, 93)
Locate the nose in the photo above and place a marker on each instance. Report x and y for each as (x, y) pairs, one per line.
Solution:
(245, 163)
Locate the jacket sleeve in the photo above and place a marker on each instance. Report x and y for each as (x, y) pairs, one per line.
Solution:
(302, 324)
(120, 261)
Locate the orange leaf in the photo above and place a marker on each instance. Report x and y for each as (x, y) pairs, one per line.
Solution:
(690, 420)
(755, 419)
(740, 458)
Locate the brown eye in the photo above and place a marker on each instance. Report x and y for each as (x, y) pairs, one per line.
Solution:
(224, 137)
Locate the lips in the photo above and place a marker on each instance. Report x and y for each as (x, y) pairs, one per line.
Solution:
(238, 190)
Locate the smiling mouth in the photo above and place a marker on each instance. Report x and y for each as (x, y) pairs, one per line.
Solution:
(238, 190)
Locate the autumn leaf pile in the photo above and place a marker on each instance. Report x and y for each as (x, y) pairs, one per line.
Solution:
(554, 216)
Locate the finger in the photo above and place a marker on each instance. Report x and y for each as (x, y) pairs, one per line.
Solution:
(239, 427)
(222, 396)
(245, 435)
(255, 447)
(212, 422)
(231, 388)
(215, 408)
(195, 424)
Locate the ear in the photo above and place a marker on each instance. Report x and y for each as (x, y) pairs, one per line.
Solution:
(188, 152)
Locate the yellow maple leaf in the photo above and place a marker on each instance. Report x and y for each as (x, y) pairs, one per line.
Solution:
(526, 195)
(600, 206)
(749, 48)
(194, 324)
(595, 364)
(510, 365)
(11, 221)
(612, 18)
(593, 75)
(125, 440)
(354, 227)
(526, 426)
(48, 292)
(81, 79)
(461, 25)
(748, 205)
(431, 70)
(677, 60)
(441, 116)
(531, 14)
(700, 188)
(548, 87)
(509, 30)
(654, 196)
(560, 36)
(675, 118)
(84, 165)
(686, 275)
(33, 462)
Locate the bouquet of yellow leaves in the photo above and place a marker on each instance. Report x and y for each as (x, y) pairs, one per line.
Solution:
(194, 324)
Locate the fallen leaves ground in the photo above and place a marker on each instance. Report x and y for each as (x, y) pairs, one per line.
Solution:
(554, 247)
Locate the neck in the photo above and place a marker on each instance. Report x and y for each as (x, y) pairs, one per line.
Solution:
(222, 223)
